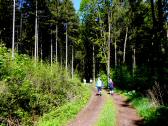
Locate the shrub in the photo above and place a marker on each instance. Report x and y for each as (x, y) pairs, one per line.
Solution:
(28, 90)
(103, 77)
(123, 78)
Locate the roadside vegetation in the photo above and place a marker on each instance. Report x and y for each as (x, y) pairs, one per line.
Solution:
(126, 40)
(29, 90)
(148, 99)
(153, 113)
(62, 115)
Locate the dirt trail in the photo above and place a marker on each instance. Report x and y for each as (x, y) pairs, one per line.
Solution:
(89, 115)
(126, 114)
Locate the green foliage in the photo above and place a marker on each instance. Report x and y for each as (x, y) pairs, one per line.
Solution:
(131, 94)
(144, 107)
(122, 77)
(127, 80)
(137, 27)
(61, 115)
(103, 77)
(141, 79)
(152, 114)
(160, 117)
(3, 55)
(28, 90)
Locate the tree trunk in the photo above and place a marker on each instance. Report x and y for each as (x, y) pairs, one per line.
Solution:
(37, 38)
(72, 62)
(13, 36)
(51, 49)
(17, 36)
(167, 29)
(134, 61)
(153, 13)
(41, 53)
(160, 16)
(115, 46)
(35, 45)
(109, 38)
(66, 66)
(125, 43)
(56, 49)
(21, 20)
(94, 64)
(61, 56)
(104, 50)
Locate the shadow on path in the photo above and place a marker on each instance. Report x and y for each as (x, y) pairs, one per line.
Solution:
(89, 115)
(126, 114)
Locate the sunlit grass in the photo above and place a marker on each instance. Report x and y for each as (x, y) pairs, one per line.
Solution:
(144, 107)
(62, 115)
(108, 114)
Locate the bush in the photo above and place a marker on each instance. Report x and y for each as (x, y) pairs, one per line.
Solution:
(103, 77)
(127, 80)
(153, 114)
(123, 78)
(141, 79)
(61, 115)
(28, 90)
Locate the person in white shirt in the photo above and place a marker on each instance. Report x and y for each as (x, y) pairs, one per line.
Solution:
(99, 85)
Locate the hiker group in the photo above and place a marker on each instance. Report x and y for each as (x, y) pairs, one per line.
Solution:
(100, 85)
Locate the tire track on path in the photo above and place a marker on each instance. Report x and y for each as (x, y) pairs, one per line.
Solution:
(126, 114)
(89, 115)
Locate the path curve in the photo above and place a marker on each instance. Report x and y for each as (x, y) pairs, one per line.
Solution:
(126, 114)
(89, 115)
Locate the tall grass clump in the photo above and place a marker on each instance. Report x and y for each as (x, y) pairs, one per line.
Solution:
(28, 90)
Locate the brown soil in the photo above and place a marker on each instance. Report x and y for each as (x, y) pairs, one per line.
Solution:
(89, 115)
(126, 115)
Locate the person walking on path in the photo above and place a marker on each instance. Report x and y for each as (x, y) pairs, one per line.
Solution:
(111, 86)
(99, 85)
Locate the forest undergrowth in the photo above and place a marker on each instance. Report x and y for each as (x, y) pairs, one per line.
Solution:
(153, 113)
(28, 90)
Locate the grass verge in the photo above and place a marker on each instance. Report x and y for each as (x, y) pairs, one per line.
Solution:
(108, 114)
(153, 115)
(62, 115)
(144, 107)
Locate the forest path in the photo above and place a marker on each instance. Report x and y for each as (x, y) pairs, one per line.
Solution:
(126, 114)
(89, 115)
